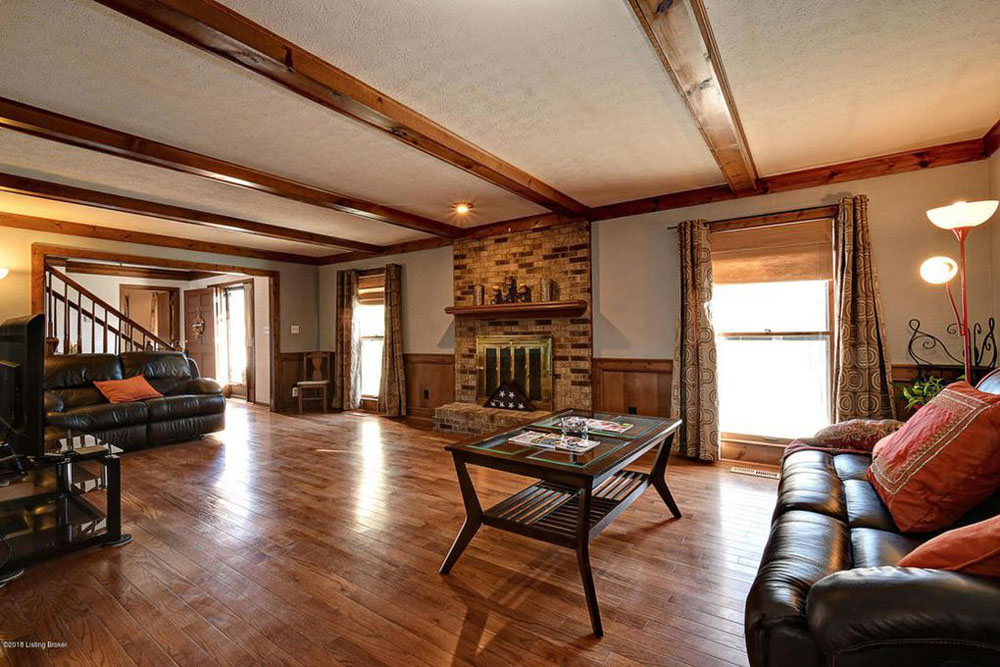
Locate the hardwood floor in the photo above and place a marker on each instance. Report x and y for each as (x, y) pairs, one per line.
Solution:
(316, 540)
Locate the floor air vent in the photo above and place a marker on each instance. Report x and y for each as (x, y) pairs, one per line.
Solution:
(753, 472)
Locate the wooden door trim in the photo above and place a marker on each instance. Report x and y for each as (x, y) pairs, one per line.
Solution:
(41, 251)
(175, 311)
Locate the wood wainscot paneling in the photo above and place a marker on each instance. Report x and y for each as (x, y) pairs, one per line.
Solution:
(633, 386)
(289, 371)
(430, 382)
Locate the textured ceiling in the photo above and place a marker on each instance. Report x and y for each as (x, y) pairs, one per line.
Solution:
(52, 161)
(818, 82)
(84, 60)
(42, 208)
(571, 92)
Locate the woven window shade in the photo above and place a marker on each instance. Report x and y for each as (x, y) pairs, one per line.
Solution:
(371, 289)
(778, 253)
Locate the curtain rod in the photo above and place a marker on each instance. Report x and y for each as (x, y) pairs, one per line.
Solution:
(780, 218)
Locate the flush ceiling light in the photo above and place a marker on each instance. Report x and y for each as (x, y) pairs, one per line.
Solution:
(938, 270)
(963, 214)
(463, 207)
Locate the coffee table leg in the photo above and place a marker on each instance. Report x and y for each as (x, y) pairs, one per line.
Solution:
(473, 517)
(583, 559)
(658, 475)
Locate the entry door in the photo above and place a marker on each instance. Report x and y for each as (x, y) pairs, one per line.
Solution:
(199, 328)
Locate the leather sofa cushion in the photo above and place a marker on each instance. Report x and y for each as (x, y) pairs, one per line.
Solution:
(809, 482)
(190, 405)
(803, 548)
(92, 418)
(875, 548)
(864, 508)
(168, 372)
(852, 466)
(185, 428)
(80, 370)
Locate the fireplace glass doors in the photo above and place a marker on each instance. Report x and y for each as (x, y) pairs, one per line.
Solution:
(524, 360)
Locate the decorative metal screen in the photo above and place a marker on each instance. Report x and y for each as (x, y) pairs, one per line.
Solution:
(524, 360)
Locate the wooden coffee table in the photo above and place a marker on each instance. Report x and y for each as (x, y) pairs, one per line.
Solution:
(577, 495)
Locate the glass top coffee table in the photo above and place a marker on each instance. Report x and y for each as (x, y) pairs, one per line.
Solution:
(577, 495)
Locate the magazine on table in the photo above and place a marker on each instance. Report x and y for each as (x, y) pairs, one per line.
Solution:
(608, 426)
(569, 443)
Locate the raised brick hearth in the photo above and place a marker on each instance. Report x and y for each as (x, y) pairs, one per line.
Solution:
(562, 253)
(471, 419)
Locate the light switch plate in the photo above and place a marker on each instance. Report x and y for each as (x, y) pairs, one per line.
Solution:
(295, 328)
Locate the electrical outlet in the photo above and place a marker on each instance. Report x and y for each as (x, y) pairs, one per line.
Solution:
(427, 394)
(295, 328)
(632, 410)
(295, 392)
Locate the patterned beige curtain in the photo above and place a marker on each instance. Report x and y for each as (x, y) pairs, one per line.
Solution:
(347, 361)
(862, 370)
(694, 396)
(392, 390)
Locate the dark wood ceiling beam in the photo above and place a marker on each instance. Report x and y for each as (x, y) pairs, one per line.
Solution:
(897, 163)
(219, 30)
(395, 249)
(67, 193)
(680, 34)
(57, 127)
(991, 141)
(51, 226)
(90, 268)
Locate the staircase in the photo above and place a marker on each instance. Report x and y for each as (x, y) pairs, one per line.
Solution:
(78, 322)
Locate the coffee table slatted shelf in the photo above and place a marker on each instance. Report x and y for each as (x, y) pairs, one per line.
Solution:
(550, 512)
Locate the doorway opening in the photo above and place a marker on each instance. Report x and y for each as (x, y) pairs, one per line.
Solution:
(234, 306)
(156, 308)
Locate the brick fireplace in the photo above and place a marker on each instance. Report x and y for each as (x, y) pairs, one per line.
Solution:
(562, 254)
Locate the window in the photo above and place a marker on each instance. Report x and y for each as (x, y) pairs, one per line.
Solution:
(771, 308)
(371, 331)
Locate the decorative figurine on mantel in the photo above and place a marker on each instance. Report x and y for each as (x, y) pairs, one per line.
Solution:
(509, 292)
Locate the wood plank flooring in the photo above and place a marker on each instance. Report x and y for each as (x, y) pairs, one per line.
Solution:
(316, 540)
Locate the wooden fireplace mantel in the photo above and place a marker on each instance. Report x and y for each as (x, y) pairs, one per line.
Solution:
(518, 310)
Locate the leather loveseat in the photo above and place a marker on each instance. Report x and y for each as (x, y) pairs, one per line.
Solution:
(829, 593)
(191, 406)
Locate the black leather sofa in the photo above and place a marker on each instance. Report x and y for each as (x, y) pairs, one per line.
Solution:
(191, 405)
(828, 591)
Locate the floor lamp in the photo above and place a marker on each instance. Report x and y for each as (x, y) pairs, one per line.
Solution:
(960, 217)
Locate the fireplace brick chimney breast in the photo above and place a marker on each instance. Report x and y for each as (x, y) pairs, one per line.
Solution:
(562, 253)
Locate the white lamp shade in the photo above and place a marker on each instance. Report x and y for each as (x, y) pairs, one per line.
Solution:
(963, 213)
(3, 272)
(938, 270)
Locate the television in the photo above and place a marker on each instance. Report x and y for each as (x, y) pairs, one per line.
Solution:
(22, 370)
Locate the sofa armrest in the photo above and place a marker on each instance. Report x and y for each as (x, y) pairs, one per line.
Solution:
(870, 606)
(53, 403)
(203, 386)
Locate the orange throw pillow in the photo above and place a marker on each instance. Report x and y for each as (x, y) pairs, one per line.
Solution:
(127, 391)
(974, 549)
(943, 462)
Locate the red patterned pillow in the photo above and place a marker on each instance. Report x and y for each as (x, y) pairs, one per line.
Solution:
(943, 462)
(861, 434)
(974, 549)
